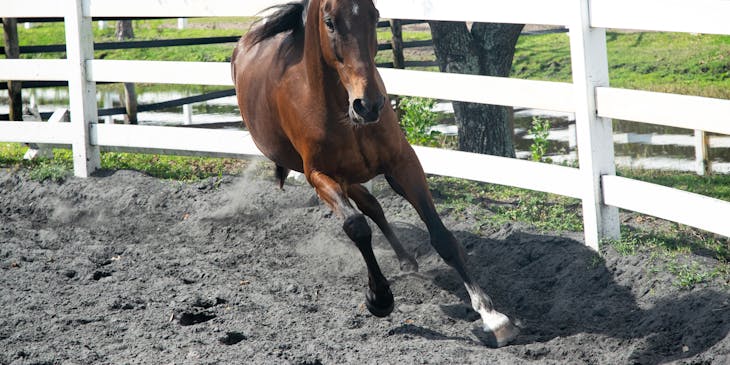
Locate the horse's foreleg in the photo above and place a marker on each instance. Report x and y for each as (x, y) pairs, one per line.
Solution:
(367, 203)
(408, 180)
(379, 299)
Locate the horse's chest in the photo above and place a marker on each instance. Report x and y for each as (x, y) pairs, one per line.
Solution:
(349, 160)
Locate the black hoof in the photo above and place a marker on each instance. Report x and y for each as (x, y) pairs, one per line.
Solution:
(381, 306)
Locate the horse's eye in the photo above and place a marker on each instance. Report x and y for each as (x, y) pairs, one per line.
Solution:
(330, 25)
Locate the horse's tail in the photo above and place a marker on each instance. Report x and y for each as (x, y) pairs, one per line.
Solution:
(286, 17)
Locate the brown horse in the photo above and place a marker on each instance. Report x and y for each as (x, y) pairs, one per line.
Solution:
(313, 101)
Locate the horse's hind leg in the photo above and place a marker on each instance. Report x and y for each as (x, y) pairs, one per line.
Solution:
(367, 203)
(408, 180)
(281, 174)
(379, 299)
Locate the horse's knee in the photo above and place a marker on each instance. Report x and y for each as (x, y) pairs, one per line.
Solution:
(356, 227)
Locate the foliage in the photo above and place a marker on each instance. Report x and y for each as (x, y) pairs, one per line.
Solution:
(540, 131)
(11, 154)
(417, 119)
(689, 275)
(51, 170)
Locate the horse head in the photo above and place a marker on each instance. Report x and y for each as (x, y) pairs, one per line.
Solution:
(348, 42)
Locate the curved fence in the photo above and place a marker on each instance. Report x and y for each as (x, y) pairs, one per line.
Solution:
(590, 96)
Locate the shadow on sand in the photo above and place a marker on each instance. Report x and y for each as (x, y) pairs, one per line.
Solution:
(558, 288)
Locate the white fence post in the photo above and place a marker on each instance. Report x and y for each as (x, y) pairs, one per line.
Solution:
(594, 134)
(82, 92)
(702, 153)
(108, 103)
(187, 113)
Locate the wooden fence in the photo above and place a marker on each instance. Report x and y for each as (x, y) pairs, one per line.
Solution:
(589, 96)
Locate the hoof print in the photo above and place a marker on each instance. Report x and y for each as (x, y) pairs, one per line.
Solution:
(232, 338)
(191, 318)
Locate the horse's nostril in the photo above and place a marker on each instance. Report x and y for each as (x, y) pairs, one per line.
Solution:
(368, 109)
(357, 104)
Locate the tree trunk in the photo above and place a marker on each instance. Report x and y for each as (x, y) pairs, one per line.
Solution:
(12, 50)
(124, 30)
(485, 49)
(399, 61)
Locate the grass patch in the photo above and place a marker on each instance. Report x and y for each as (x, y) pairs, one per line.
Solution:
(715, 186)
(11, 154)
(52, 170)
(181, 168)
(658, 61)
(676, 239)
(672, 250)
(500, 204)
(689, 275)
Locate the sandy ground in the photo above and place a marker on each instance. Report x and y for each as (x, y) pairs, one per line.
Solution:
(125, 268)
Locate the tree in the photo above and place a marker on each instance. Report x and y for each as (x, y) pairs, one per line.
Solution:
(483, 49)
(12, 50)
(124, 30)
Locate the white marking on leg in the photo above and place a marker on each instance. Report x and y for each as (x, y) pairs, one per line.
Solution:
(492, 319)
(355, 8)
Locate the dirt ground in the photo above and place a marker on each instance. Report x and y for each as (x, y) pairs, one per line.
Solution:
(125, 268)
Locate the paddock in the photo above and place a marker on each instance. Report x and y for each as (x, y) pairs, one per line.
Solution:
(128, 268)
(590, 97)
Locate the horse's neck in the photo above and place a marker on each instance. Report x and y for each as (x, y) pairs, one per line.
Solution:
(320, 76)
(312, 49)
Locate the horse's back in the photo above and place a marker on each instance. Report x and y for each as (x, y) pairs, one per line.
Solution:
(257, 70)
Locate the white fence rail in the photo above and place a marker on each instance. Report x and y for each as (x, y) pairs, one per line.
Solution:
(590, 97)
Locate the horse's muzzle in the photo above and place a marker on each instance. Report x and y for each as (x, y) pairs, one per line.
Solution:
(366, 111)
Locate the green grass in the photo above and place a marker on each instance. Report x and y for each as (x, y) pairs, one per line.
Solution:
(674, 249)
(666, 62)
(716, 186)
(507, 204)
(53, 33)
(180, 168)
(172, 167)
(659, 61)
(674, 239)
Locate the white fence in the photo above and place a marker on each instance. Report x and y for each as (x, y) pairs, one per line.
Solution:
(589, 96)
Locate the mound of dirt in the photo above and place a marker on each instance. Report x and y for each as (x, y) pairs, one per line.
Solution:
(126, 268)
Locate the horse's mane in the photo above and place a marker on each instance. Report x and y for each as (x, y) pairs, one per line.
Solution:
(286, 17)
